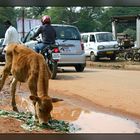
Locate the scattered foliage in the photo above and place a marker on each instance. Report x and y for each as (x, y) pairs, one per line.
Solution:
(30, 124)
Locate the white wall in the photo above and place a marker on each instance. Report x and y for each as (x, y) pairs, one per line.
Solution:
(28, 25)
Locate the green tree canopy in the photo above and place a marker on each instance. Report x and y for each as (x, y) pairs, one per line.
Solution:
(87, 19)
(60, 15)
(6, 13)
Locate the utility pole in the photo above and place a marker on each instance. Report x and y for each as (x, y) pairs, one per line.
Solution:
(138, 31)
(23, 30)
(114, 32)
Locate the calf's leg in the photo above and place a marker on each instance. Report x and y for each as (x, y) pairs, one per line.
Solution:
(13, 91)
(32, 84)
(5, 74)
(6, 71)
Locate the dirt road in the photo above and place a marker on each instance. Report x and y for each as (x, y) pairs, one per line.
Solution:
(108, 90)
(116, 90)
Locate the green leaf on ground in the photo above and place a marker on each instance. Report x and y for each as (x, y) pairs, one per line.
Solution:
(30, 124)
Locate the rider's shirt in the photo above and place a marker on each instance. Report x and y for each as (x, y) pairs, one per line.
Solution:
(48, 34)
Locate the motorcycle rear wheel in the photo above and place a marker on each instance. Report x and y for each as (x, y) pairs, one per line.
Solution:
(53, 68)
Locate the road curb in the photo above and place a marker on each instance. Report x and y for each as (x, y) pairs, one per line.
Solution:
(113, 66)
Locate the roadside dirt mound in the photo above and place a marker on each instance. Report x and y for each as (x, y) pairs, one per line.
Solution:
(118, 64)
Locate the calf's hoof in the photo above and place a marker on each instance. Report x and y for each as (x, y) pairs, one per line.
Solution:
(15, 109)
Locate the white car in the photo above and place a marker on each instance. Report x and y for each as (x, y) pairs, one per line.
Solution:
(70, 45)
(100, 44)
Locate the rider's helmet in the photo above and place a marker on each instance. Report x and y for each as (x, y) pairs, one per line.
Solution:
(46, 19)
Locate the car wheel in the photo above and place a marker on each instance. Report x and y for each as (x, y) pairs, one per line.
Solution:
(113, 57)
(93, 57)
(80, 67)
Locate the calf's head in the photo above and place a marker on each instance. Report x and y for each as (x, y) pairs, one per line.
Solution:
(43, 107)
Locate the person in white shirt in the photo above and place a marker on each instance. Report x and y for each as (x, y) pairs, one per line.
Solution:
(11, 35)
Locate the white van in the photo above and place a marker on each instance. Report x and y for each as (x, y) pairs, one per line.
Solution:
(100, 44)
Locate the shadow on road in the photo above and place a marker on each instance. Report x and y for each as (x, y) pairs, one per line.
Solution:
(67, 77)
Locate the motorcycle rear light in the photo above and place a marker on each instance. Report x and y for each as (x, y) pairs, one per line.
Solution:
(56, 50)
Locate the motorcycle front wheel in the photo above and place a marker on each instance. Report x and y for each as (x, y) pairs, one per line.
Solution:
(136, 57)
(128, 56)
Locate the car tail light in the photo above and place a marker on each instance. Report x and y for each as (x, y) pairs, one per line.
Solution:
(82, 46)
(56, 50)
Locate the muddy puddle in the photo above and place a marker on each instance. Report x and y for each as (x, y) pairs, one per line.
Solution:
(88, 121)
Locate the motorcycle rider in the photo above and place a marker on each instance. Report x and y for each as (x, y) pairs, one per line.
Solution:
(48, 34)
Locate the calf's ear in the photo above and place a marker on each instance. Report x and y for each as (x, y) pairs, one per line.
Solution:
(54, 100)
(34, 98)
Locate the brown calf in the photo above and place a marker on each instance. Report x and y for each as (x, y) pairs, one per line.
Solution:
(27, 65)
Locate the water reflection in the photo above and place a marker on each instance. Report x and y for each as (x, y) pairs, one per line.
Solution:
(67, 112)
(94, 122)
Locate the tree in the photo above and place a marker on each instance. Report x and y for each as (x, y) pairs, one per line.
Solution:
(60, 15)
(126, 27)
(6, 13)
(30, 12)
(85, 18)
(89, 19)
(131, 33)
(118, 11)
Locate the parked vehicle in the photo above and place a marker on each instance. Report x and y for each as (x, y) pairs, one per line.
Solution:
(128, 54)
(70, 45)
(100, 44)
(136, 56)
(2, 55)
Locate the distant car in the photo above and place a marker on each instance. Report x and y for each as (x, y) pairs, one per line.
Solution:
(100, 44)
(70, 45)
(2, 55)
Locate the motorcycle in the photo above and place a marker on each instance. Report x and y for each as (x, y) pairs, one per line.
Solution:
(133, 54)
(128, 56)
(51, 54)
(137, 56)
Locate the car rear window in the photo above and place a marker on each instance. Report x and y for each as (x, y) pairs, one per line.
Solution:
(67, 33)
